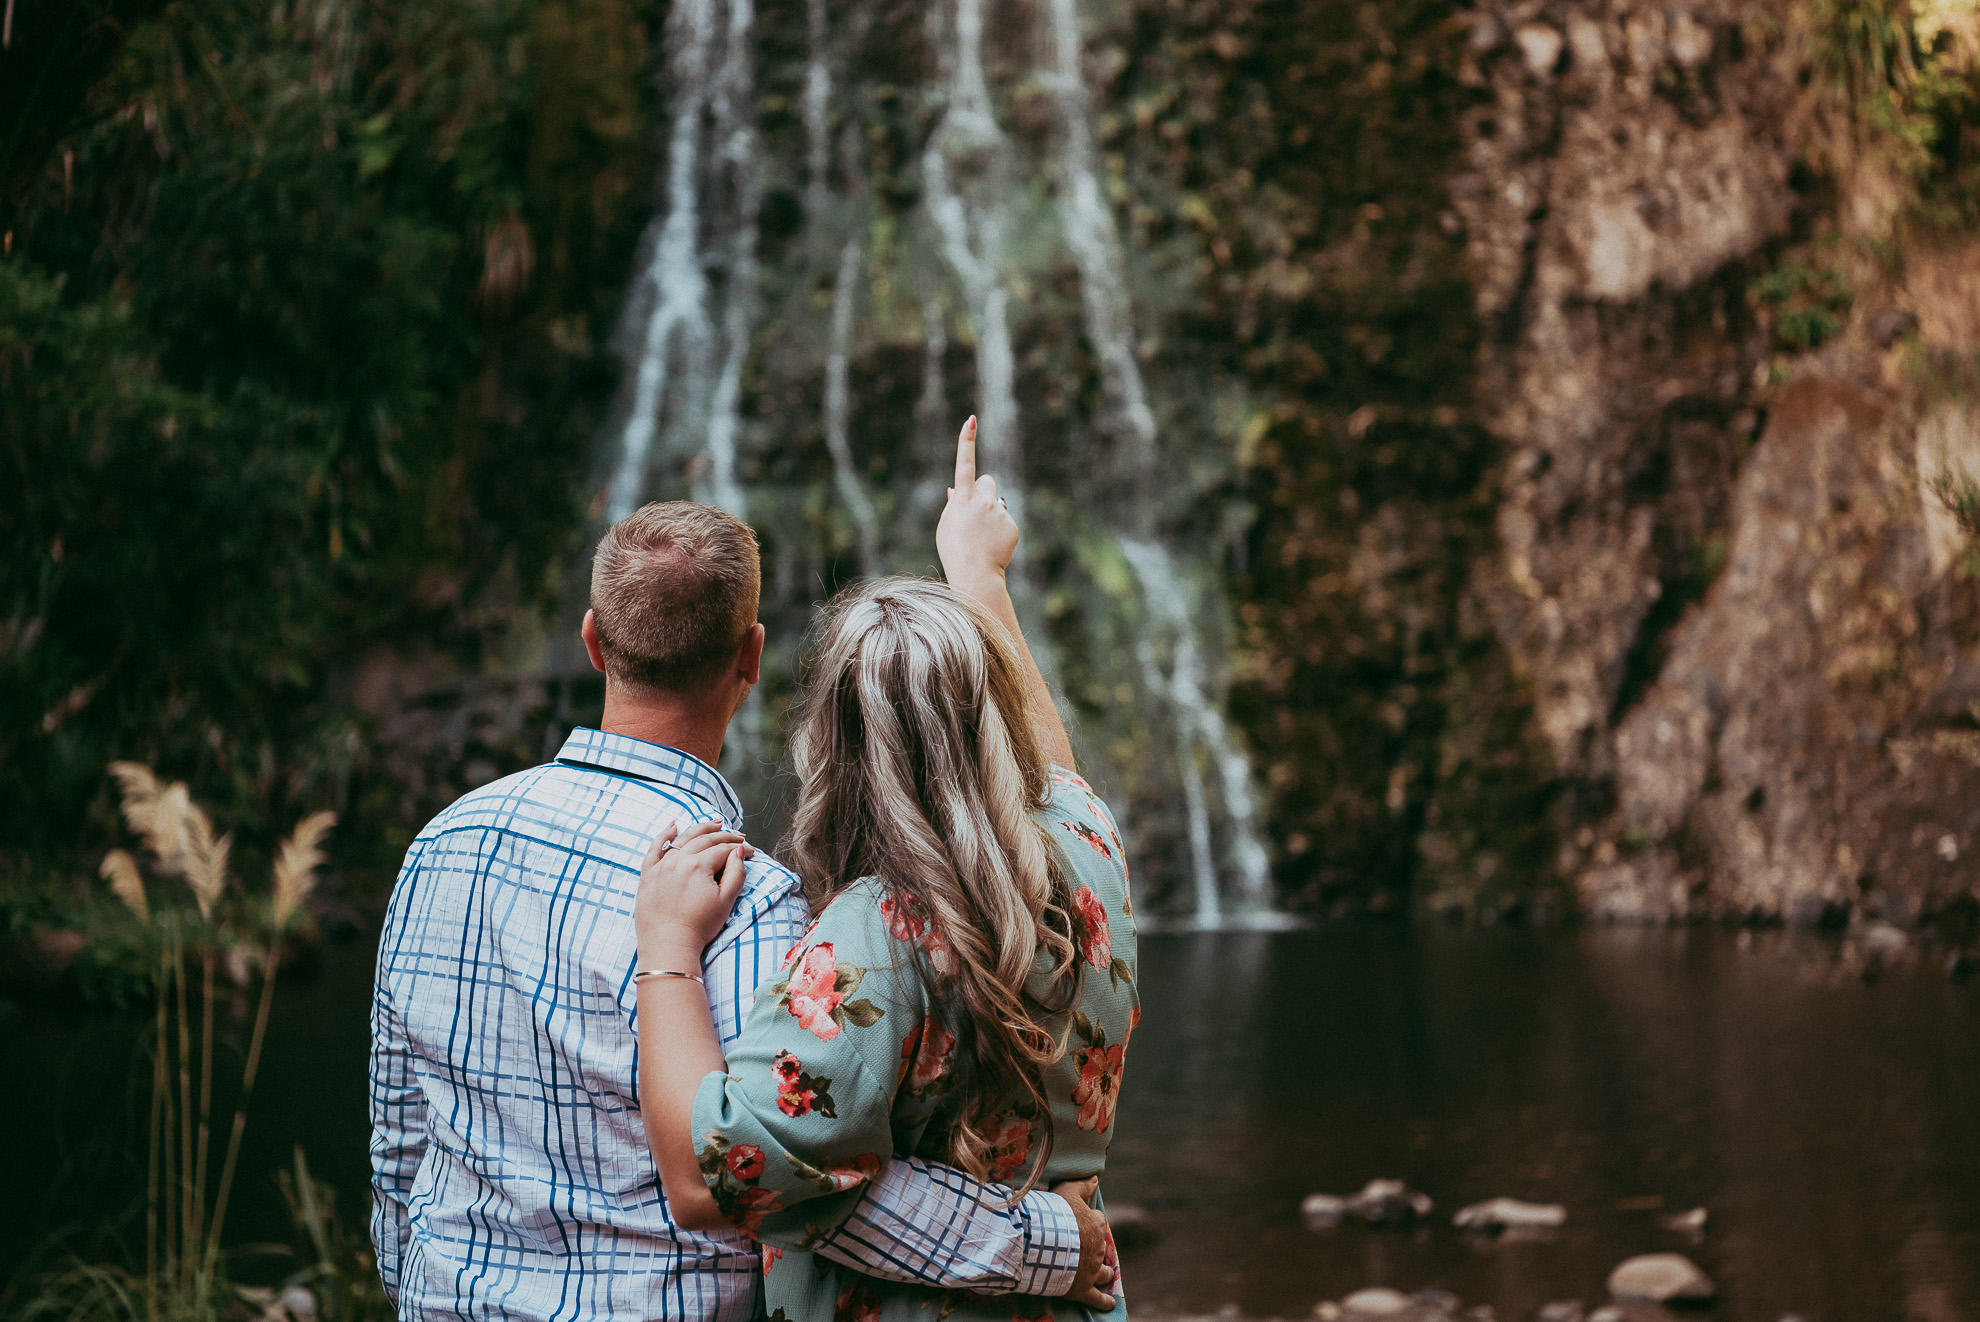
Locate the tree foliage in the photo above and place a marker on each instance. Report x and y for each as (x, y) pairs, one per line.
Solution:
(300, 348)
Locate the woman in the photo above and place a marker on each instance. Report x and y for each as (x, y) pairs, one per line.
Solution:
(967, 990)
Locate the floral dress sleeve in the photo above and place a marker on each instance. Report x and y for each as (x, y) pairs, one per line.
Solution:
(805, 1116)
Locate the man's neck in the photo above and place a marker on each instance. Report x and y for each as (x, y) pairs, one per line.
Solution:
(697, 727)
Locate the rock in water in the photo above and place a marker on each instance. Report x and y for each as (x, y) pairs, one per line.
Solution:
(1389, 1202)
(1561, 1310)
(1662, 1278)
(1376, 1302)
(1323, 1209)
(1380, 1203)
(1506, 1213)
(1687, 1223)
(1129, 1222)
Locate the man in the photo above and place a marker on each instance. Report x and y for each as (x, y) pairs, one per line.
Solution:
(511, 1173)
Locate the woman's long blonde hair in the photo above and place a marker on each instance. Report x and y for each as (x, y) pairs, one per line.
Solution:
(918, 764)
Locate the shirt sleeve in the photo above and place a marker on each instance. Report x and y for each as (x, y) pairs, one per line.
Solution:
(398, 1118)
(748, 951)
(933, 1225)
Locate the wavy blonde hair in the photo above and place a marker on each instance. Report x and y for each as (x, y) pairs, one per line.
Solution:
(918, 764)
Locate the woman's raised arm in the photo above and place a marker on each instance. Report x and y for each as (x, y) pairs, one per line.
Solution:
(976, 539)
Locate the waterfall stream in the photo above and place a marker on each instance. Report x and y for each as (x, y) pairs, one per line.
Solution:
(719, 338)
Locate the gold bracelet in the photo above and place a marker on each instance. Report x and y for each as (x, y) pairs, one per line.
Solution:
(644, 974)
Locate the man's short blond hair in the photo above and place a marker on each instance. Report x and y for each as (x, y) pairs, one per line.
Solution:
(674, 588)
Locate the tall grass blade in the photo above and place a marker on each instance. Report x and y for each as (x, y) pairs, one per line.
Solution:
(126, 883)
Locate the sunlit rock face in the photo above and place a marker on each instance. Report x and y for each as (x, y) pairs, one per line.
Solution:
(1624, 167)
(1808, 747)
(1732, 636)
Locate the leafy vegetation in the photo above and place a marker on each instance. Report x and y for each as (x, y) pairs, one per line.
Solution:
(186, 1273)
(1959, 494)
(300, 350)
(1808, 304)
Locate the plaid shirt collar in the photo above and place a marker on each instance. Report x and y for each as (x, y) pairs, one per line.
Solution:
(623, 755)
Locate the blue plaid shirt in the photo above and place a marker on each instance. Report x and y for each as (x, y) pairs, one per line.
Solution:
(511, 1174)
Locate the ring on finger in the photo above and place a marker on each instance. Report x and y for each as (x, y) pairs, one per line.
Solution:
(669, 844)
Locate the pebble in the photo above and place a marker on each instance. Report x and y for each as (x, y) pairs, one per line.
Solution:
(1504, 1213)
(1881, 938)
(1689, 1223)
(1662, 1278)
(1561, 1310)
(1130, 1224)
(1380, 1203)
(1376, 1302)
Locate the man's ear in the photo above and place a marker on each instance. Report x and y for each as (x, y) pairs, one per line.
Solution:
(589, 632)
(749, 657)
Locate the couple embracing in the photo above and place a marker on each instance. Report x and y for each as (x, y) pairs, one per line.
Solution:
(625, 1066)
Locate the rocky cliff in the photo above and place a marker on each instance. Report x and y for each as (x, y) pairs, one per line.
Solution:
(1734, 578)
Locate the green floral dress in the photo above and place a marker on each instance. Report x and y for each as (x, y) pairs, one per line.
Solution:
(843, 1065)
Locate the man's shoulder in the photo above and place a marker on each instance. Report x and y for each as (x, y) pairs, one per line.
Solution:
(523, 793)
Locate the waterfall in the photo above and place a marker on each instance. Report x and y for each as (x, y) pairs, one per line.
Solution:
(1096, 250)
(1197, 719)
(851, 490)
(703, 355)
(671, 339)
(1200, 727)
(672, 293)
(968, 132)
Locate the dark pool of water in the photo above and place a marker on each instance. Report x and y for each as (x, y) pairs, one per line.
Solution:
(1832, 1128)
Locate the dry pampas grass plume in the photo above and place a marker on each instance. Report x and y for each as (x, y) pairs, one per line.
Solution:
(176, 830)
(296, 864)
(121, 871)
(156, 812)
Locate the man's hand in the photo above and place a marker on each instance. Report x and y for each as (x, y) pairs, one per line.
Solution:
(1097, 1269)
(977, 536)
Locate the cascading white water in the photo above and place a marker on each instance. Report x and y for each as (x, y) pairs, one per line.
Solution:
(735, 151)
(1201, 726)
(851, 489)
(971, 225)
(668, 312)
(1197, 720)
(673, 342)
(692, 330)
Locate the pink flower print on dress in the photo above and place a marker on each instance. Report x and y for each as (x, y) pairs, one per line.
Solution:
(1096, 942)
(1099, 1085)
(745, 1161)
(770, 1255)
(798, 1093)
(814, 992)
(908, 921)
(1091, 836)
(852, 1174)
(925, 1055)
(751, 1206)
(1010, 1147)
(856, 1304)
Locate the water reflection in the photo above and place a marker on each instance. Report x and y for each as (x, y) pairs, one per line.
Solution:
(1825, 1124)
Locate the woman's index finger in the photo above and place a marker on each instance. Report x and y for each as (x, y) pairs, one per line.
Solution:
(966, 455)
